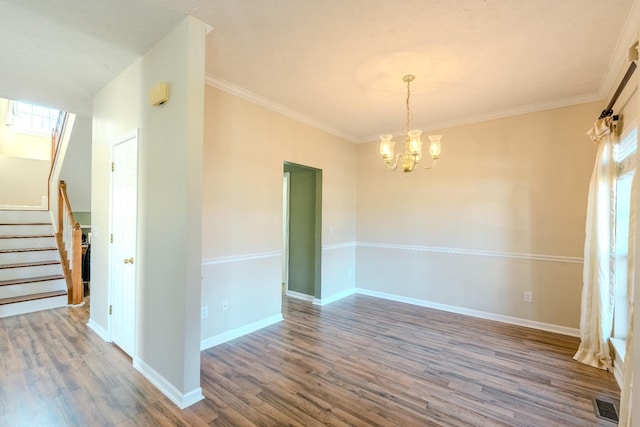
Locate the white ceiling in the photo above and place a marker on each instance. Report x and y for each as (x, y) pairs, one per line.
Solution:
(336, 64)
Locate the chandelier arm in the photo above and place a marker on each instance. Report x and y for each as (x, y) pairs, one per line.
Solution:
(433, 164)
(395, 164)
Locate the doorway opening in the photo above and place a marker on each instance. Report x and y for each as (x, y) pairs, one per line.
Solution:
(302, 231)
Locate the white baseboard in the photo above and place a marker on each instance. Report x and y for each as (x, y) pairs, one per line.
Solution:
(238, 332)
(563, 330)
(298, 295)
(619, 353)
(335, 297)
(618, 372)
(102, 333)
(181, 400)
(23, 207)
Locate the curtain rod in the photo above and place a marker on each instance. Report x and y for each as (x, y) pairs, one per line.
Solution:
(609, 110)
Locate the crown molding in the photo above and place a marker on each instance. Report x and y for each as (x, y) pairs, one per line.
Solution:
(618, 62)
(240, 92)
(509, 112)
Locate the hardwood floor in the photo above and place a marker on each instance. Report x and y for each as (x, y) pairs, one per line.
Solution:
(360, 361)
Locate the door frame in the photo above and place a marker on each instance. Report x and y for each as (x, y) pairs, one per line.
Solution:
(132, 135)
(317, 232)
(286, 183)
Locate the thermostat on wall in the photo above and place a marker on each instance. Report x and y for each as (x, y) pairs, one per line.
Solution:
(159, 94)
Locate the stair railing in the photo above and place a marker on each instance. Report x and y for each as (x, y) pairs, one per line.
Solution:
(56, 135)
(69, 238)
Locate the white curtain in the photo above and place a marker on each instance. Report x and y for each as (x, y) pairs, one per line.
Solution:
(596, 317)
(627, 381)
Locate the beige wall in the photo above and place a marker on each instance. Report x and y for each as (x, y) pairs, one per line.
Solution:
(24, 166)
(502, 213)
(76, 168)
(24, 182)
(245, 149)
(167, 347)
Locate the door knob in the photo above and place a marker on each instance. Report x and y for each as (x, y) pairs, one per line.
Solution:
(128, 260)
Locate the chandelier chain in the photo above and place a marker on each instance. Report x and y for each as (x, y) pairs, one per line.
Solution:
(409, 117)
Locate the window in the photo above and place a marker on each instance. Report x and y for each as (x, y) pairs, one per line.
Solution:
(29, 118)
(624, 157)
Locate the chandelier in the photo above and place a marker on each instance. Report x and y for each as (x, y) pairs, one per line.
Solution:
(412, 144)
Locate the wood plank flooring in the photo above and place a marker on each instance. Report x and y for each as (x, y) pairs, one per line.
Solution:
(360, 361)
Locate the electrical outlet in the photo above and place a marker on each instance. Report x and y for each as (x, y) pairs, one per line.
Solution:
(204, 312)
(528, 296)
(225, 305)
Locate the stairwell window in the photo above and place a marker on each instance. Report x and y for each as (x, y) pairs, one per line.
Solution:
(33, 119)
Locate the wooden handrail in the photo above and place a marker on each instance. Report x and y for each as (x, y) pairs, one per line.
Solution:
(69, 238)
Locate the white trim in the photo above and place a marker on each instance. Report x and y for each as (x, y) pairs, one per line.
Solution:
(619, 350)
(238, 332)
(22, 208)
(299, 295)
(501, 114)
(339, 246)
(239, 258)
(476, 252)
(254, 98)
(573, 332)
(618, 372)
(161, 383)
(53, 222)
(240, 92)
(618, 60)
(335, 297)
(628, 126)
(102, 333)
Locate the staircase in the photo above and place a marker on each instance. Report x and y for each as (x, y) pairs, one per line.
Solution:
(31, 276)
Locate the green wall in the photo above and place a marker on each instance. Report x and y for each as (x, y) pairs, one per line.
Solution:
(305, 207)
(84, 218)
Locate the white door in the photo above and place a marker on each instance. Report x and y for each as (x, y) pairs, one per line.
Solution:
(124, 203)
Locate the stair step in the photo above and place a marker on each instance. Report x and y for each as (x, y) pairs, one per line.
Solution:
(29, 288)
(32, 297)
(29, 264)
(31, 276)
(21, 242)
(26, 236)
(30, 280)
(11, 216)
(25, 223)
(26, 229)
(30, 269)
(19, 256)
(14, 250)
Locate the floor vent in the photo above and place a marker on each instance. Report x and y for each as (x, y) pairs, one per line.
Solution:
(605, 410)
